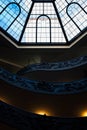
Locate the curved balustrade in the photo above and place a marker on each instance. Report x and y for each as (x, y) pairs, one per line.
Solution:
(55, 66)
(22, 120)
(42, 86)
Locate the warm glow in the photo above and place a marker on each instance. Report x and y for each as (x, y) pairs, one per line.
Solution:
(84, 114)
(3, 99)
(42, 112)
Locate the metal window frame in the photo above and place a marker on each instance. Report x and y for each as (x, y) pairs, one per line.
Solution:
(68, 44)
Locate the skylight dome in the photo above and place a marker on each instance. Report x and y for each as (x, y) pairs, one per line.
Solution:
(45, 23)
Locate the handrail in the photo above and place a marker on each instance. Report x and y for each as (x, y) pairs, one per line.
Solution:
(56, 66)
(42, 86)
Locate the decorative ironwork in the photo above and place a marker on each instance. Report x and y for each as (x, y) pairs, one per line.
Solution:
(42, 86)
(57, 66)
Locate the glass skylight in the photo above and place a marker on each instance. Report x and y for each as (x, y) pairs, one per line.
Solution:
(43, 22)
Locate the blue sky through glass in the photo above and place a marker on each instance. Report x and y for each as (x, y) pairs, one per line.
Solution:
(13, 16)
(68, 19)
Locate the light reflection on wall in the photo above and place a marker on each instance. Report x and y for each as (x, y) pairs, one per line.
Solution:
(43, 112)
(4, 99)
(84, 113)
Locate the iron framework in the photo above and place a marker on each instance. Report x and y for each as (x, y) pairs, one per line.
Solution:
(29, 23)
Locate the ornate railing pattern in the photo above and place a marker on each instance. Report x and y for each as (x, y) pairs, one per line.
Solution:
(42, 86)
(22, 120)
(55, 66)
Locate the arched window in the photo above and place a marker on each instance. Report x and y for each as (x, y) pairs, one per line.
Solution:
(9, 14)
(77, 14)
(18, 1)
(43, 29)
